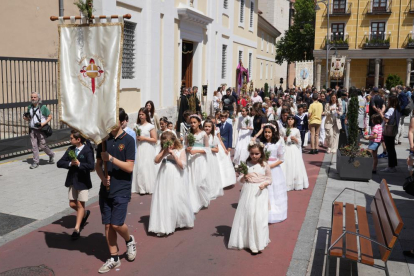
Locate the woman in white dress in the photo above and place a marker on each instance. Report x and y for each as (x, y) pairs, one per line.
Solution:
(143, 178)
(197, 166)
(294, 169)
(235, 122)
(250, 227)
(153, 116)
(245, 128)
(214, 180)
(275, 145)
(170, 206)
(227, 173)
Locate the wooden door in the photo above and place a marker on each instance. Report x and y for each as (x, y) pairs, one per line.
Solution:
(187, 64)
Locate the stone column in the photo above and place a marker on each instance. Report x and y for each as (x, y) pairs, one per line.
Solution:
(348, 70)
(408, 78)
(318, 74)
(377, 71)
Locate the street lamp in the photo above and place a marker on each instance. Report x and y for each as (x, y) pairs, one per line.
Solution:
(317, 8)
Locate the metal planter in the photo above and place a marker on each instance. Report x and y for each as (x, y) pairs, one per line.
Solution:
(358, 168)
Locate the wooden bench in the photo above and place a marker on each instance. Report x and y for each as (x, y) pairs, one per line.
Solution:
(344, 238)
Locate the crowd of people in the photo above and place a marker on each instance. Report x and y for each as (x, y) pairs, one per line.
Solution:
(253, 139)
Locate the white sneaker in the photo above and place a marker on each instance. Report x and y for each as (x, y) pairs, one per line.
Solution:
(389, 170)
(131, 249)
(110, 264)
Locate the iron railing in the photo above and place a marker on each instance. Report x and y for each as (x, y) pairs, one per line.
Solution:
(341, 8)
(379, 7)
(377, 40)
(18, 78)
(339, 41)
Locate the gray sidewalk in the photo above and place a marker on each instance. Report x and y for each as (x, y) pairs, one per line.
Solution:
(311, 262)
(29, 195)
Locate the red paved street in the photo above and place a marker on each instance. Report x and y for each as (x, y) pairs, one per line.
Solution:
(199, 251)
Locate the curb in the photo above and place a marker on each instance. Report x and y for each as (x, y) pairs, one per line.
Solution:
(40, 223)
(304, 245)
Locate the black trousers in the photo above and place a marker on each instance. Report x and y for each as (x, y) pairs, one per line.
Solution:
(392, 155)
(302, 136)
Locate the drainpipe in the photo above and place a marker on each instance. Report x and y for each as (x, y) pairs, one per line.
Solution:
(61, 13)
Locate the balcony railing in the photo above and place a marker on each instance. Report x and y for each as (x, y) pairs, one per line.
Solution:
(411, 7)
(378, 7)
(409, 41)
(377, 40)
(339, 41)
(342, 9)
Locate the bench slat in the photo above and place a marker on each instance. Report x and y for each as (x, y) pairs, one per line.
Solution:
(394, 215)
(337, 229)
(367, 256)
(379, 232)
(351, 240)
(390, 239)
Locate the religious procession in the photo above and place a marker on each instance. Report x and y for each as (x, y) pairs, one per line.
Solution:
(191, 138)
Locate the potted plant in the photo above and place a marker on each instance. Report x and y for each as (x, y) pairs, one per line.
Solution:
(353, 162)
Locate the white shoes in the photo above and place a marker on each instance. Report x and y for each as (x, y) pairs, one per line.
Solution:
(110, 264)
(131, 249)
(389, 170)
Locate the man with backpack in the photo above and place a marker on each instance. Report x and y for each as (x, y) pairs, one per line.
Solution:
(38, 116)
(405, 111)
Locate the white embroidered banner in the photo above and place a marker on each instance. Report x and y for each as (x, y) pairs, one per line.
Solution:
(90, 63)
(304, 73)
(337, 67)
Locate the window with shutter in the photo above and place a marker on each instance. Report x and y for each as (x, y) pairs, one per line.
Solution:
(250, 65)
(251, 13)
(226, 4)
(128, 52)
(223, 62)
(241, 11)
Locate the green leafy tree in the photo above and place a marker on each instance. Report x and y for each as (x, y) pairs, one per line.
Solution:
(352, 116)
(300, 37)
(266, 89)
(392, 81)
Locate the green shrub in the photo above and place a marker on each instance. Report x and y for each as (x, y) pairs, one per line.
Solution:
(392, 81)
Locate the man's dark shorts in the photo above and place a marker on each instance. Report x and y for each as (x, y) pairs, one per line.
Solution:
(113, 210)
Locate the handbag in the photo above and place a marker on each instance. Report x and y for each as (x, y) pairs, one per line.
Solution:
(409, 185)
(46, 129)
(390, 129)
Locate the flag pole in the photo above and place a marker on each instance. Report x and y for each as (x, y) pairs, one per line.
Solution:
(105, 163)
(54, 18)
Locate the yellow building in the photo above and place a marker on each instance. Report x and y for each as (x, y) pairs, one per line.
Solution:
(376, 36)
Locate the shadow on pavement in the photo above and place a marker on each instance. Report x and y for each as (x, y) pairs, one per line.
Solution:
(41, 161)
(145, 220)
(234, 205)
(68, 222)
(223, 231)
(92, 245)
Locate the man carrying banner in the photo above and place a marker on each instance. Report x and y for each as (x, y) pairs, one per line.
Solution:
(114, 202)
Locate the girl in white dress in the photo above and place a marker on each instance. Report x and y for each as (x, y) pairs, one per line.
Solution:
(294, 169)
(143, 178)
(250, 225)
(170, 206)
(153, 116)
(245, 128)
(197, 166)
(214, 180)
(235, 122)
(277, 191)
(163, 127)
(228, 175)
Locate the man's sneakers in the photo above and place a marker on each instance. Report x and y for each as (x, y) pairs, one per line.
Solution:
(131, 249)
(34, 166)
(389, 170)
(52, 159)
(383, 155)
(110, 264)
(85, 218)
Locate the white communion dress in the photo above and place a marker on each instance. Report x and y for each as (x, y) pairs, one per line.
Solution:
(250, 225)
(227, 172)
(170, 205)
(214, 177)
(241, 153)
(144, 174)
(294, 167)
(277, 191)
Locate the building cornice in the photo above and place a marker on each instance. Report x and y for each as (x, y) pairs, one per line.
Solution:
(267, 26)
(369, 54)
(265, 58)
(193, 16)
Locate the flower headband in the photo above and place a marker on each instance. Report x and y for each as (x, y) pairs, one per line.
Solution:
(252, 143)
(195, 116)
(271, 125)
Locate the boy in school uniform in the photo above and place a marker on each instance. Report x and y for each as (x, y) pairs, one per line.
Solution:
(302, 123)
(226, 131)
(78, 179)
(115, 191)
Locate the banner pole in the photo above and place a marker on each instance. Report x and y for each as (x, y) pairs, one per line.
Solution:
(105, 163)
